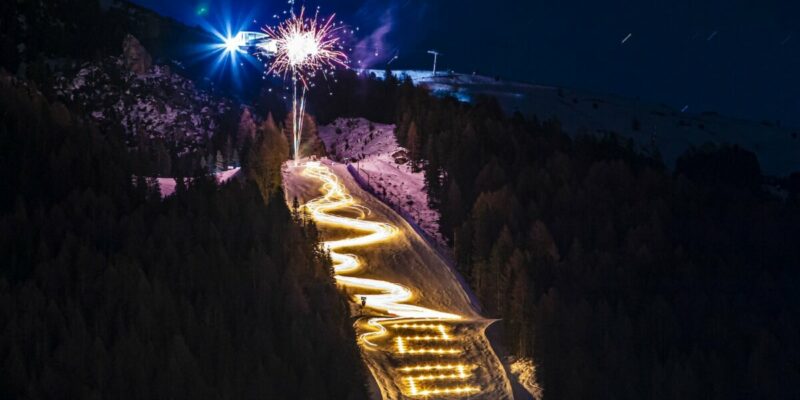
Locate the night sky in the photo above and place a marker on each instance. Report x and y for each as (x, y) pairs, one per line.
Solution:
(737, 57)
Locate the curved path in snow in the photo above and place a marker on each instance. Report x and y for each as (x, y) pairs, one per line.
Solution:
(413, 351)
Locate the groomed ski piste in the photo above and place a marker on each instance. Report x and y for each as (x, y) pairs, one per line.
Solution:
(419, 333)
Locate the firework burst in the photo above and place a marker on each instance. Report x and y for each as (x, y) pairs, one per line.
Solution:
(302, 47)
(305, 46)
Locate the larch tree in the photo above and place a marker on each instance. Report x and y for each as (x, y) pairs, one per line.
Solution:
(310, 143)
(414, 142)
(220, 161)
(266, 158)
(247, 127)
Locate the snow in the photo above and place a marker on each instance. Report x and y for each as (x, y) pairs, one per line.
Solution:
(157, 105)
(646, 123)
(167, 185)
(524, 370)
(408, 260)
(402, 188)
(370, 147)
(225, 176)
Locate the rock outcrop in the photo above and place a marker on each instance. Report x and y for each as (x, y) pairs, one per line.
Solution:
(137, 60)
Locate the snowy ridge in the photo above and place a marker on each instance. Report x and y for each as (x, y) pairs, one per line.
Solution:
(648, 124)
(373, 150)
(155, 105)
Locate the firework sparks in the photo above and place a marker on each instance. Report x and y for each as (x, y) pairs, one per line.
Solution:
(305, 46)
(302, 47)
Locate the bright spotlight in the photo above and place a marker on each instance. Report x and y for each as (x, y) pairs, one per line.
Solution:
(234, 43)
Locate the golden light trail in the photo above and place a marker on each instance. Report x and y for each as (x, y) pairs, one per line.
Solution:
(429, 329)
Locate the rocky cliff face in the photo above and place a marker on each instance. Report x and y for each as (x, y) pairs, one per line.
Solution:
(136, 58)
(149, 102)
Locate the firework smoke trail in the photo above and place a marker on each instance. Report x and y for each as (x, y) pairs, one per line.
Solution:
(305, 47)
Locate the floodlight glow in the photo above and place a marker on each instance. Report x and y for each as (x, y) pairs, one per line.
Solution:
(235, 43)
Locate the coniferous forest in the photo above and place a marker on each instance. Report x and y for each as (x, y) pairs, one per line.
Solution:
(620, 277)
(108, 292)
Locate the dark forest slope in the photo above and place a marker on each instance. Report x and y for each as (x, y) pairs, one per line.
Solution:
(620, 278)
(108, 292)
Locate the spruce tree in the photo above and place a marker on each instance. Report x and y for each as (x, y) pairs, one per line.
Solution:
(220, 162)
(267, 156)
(247, 127)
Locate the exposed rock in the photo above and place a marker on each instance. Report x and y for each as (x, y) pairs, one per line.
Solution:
(400, 157)
(137, 60)
(157, 106)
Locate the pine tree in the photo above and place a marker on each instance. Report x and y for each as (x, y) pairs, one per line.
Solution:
(414, 142)
(228, 154)
(247, 127)
(453, 208)
(296, 209)
(518, 299)
(220, 162)
(164, 161)
(310, 143)
(266, 158)
(501, 252)
(235, 160)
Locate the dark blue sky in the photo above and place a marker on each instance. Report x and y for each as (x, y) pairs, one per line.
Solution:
(749, 68)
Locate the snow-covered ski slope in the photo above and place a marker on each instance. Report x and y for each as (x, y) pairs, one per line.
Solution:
(372, 147)
(418, 356)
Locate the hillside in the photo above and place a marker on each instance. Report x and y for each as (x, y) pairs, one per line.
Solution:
(614, 276)
(648, 124)
(153, 104)
(373, 149)
(115, 63)
(110, 290)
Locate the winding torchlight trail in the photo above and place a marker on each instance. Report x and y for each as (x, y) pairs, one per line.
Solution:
(413, 328)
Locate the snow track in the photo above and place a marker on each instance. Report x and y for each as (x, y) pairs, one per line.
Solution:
(418, 333)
